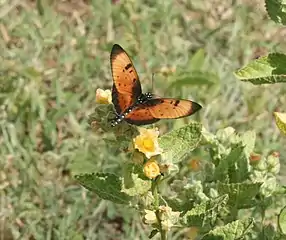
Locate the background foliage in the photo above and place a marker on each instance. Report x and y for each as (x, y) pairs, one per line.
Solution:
(54, 54)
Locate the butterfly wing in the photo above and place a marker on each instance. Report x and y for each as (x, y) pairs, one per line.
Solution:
(126, 85)
(161, 108)
(164, 108)
(140, 115)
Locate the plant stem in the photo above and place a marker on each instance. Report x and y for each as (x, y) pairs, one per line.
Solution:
(156, 203)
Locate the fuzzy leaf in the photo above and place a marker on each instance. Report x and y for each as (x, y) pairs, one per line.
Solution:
(232, 231)
(106, 185)
(101, 117)
(248, 140)
(276, 10)
(267, 69)
(234, 167)
(241, 195)
(178, 143)
(205, 213)
(282, 220)
(139, 186)
(280, 119)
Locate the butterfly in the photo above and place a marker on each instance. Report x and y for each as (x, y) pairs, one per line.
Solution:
(134, 107)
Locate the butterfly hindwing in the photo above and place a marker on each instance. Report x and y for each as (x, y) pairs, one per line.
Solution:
(126, 85)
(140, 115)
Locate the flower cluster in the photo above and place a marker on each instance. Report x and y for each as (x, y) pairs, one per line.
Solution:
(147, 143)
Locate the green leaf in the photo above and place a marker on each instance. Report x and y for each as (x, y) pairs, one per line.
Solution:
(205, 213)
(232, 231)
(269, 186)
(276, 10)
(267, 69)
(282, 220)
(139, 186)
(234, 167)
(280, 119)
(197, 60)
(225, 134)
(153, 233)
(268, 233)
(178, 143)
(194, 78)
(40, 7)
(106, 185)
(241, 195)
(248, 140)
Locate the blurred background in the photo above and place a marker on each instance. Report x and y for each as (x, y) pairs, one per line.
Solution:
(55, 54)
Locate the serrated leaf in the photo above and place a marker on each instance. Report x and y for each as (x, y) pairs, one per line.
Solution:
(205, 213)
(232, 231)
(280, 119)
(178, 143)
(234, 167)
(267, 69)
(106, 185)
(276, 10)
(282, 220)
(241, 195)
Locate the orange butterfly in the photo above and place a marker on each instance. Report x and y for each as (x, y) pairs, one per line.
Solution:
(135, 107)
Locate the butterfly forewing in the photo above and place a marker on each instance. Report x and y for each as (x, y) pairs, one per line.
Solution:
(126, 87)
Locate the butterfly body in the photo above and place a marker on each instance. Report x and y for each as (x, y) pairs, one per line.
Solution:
(135, 107)
(141, 101)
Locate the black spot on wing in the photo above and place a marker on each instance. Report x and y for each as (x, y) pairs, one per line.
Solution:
(177, 103)
(129, 65)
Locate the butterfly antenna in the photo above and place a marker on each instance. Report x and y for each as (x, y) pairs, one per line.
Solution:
(152, 81)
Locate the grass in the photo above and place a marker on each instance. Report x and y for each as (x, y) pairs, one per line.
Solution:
(55, 55)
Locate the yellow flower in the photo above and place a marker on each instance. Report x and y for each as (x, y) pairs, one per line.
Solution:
(103, 96)
(151, 169)
(147, 142)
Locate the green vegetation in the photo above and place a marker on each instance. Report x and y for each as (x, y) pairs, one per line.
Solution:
(55, 54)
